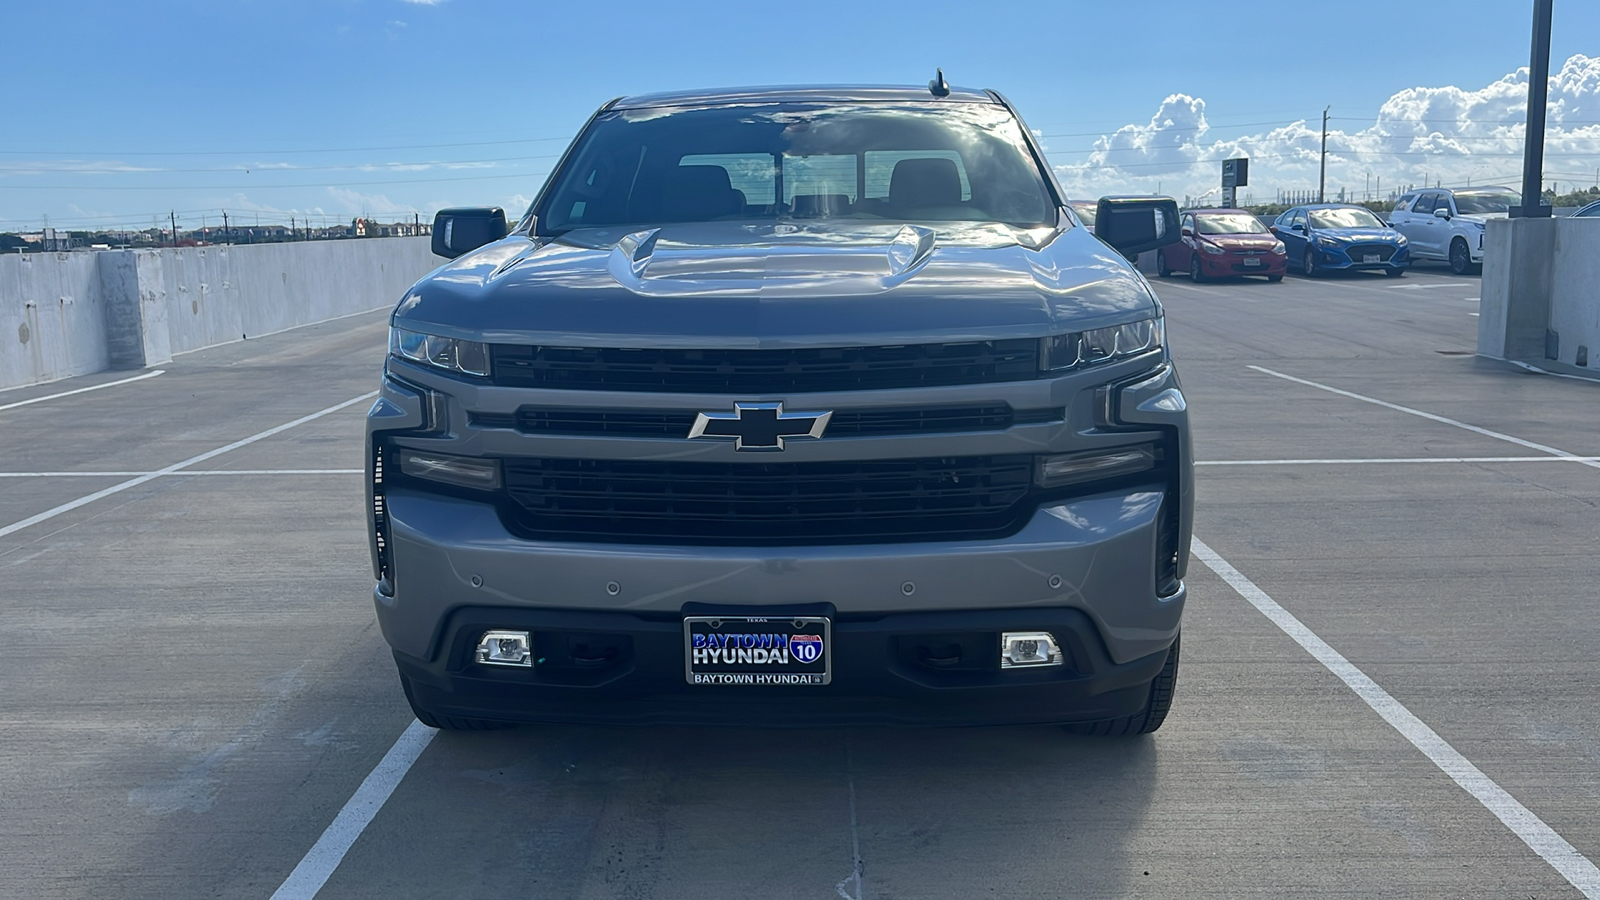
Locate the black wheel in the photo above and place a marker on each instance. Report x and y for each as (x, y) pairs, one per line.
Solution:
(1308, 263)
(1194, 269)
(1460, 257)
(1274, 279)
(1161, 265)
(448, 723)
(1155, 709)
(1394, 273)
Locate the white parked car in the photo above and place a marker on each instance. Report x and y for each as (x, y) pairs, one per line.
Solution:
(1592, 211)
(1447, 224)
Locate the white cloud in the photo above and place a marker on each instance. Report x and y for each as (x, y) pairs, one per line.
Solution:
(1446, 134)
(356, 203)
(423, 2)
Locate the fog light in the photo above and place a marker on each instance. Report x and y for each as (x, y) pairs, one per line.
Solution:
(505, 648)
(1028, 648)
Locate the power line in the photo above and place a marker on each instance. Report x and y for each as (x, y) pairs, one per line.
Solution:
(255, 187)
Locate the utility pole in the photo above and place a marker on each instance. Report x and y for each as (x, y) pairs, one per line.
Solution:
(173, 214)
(291, 228)
(1322, 184)
(1538, 97)
(225, 227)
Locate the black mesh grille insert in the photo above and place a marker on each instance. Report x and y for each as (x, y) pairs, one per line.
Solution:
(746, 503)
(845, 423)
(766, 371)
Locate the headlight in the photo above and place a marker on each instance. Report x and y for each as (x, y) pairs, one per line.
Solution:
(449, 354)
(461, 471)
(1064, 351)
(1062, 469)
(1402, 241)
(1280, 249)
(1326, 241)
(1212, 248)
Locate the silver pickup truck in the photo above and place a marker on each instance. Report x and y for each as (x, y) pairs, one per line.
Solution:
(787, 407)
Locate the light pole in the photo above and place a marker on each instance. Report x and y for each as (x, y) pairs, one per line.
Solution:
(1322, 183)
(1538, 97)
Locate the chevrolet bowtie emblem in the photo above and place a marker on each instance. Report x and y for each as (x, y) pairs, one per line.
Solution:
(759, 426)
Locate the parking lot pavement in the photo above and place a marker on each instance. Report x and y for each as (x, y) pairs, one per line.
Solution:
(195, 687)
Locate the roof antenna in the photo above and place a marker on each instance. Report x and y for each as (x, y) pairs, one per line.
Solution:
(937, 86)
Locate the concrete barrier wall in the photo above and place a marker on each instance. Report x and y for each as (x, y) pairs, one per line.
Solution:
(1575, 293)
(65, 314)
(1541, 293)
(52, 315)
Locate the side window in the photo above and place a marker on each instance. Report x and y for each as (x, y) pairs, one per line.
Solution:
(1299, 218)
(1425, 204)
(1447, 201)
(1188, 221)
(1404, 203)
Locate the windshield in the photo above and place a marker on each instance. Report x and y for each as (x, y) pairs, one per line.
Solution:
(1230, 224)
(1486, 204)
(912, 162)
(1346, 217)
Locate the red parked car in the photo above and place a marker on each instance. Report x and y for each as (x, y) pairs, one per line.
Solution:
(1223, 242)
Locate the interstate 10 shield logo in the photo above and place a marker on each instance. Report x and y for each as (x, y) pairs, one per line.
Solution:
(805, 648)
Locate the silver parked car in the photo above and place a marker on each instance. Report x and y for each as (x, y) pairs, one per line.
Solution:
(1448, 224)
(783, 407)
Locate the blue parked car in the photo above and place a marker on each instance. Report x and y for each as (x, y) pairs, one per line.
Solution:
(1337, 236)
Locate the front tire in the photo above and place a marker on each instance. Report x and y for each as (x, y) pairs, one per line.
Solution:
(1162, 270)
(1394, 273)
(1460, 257)
(448, 723)
(1155, 709)
(1274, 279)
(1308, 263)
(1194, 270)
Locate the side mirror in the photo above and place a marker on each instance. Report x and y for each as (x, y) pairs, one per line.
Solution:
(458, 231)
(1298, 227)
(1132, 225)
(1442, 212)
(1188, 232)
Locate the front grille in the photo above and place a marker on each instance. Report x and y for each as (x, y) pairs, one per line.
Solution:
(382, 555)
(638, 423)
(1358, 252)
(766, 371)
(755, 503)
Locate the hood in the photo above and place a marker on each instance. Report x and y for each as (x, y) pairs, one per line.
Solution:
(1362, 235)
(1241, 241)
(1483, 218)
(775, 284)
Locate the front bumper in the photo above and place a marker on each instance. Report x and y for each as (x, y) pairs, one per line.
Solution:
(1214, 266)
(879, 676)
(1335, 258)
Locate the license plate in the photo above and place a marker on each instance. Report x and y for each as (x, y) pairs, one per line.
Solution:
(742, 650)
(1371, 258)
(1252, 261)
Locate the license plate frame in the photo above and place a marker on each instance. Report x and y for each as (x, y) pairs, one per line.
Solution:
(1252, 260)
(743, 670)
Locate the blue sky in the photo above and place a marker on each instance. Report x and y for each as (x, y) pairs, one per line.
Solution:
(117, 112)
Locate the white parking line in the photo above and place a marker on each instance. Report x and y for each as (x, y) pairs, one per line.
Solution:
(1189, 287)
(1576, 868)
(175, 467)
(1402, 459)
(325, 855)
(82, 390)
(1499, 436)
(185, 473)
